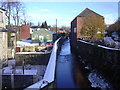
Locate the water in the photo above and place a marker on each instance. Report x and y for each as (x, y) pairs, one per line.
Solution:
(68, 73)
(64, 65)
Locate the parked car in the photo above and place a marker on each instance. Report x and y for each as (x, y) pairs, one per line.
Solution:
(48, 43)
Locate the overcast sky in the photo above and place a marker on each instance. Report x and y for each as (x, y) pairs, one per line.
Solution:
(65, 12)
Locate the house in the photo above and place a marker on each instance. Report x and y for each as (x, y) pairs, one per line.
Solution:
(43, 35)
(33, 28)
(2, 18)
(24, 32)
(7, 40)
(7, 45)
(77, 23)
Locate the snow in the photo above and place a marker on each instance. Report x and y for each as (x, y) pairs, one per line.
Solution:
(50, 70)
(33, 70)
(109, 41)
(29, 52)
(26, 43)
(11, 62)
(9, 70)
(107, 47)
(97, 80)
(101, 45)
(50, 31)
(65, 49)
(85, 42)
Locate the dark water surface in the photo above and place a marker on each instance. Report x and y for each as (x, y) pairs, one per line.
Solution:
(68, 74)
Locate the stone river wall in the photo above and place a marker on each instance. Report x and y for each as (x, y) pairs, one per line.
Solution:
(105, 60)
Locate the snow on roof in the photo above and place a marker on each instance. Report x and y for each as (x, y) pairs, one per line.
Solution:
(50, 31)
(28, 41)
(25, 43)
(29, 52)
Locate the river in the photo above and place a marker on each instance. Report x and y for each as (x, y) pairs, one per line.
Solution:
(71, 74)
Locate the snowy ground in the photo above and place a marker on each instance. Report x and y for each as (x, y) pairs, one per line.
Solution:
(110, 42)
(28, 70)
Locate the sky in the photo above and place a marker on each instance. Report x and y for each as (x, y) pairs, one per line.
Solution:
(65, 12)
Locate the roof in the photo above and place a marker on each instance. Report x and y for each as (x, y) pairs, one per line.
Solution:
(50, 31)
(86, 12)
(35, 26)
(6, 30)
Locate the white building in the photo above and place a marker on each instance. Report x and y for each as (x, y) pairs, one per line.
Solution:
(2, 18)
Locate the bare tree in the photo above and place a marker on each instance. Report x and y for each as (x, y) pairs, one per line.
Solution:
(7, 5)
(18, 9)
(14, 10)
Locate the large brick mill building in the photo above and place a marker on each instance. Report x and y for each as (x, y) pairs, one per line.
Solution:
(77, 24)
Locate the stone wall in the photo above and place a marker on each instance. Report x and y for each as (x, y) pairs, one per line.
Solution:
(20, 81)
(33, 59)
(105, 60)
(3, 48)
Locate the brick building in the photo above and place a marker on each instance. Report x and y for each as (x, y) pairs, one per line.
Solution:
(24, 32)
(77, 24)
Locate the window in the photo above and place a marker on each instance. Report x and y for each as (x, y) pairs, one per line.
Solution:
(1, 17)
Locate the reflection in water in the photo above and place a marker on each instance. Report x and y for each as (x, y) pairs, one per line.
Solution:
(80, 79)
(68, 73)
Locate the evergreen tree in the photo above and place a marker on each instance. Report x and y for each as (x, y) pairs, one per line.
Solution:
(44, 25)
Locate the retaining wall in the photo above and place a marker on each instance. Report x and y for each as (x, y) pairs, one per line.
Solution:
(105, 60)
(20, 81)
(33, 59)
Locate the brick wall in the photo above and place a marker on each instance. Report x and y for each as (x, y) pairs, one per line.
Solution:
(79, 26)
(25, 32)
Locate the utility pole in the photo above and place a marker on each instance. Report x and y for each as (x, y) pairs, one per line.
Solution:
(56, 26)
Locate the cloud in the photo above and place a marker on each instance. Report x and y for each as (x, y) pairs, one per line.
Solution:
(109, 18)
(44, 10)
